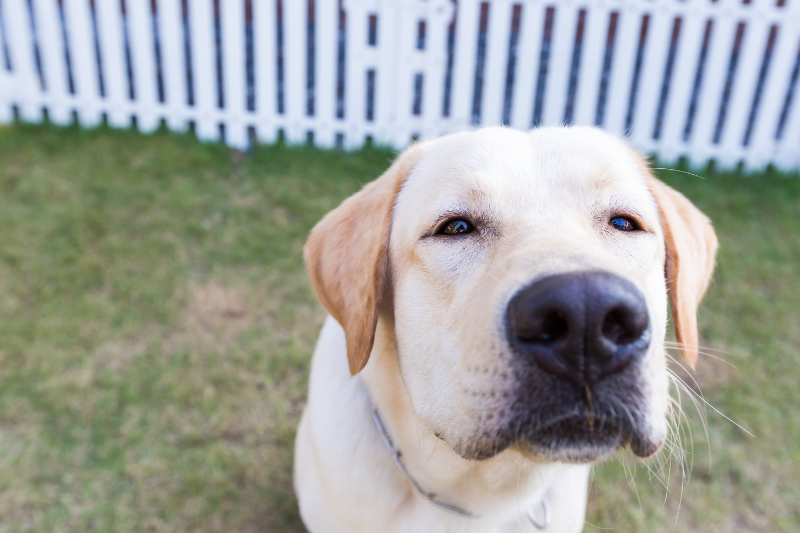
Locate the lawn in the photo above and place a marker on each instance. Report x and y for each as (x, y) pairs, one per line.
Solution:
(156, 324)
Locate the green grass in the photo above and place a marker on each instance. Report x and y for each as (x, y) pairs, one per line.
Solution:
(156, 324)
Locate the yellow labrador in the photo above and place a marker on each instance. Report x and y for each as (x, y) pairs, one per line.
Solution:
(500, 298)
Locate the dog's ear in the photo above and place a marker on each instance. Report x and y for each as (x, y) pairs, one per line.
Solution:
(691, 246)
(347, 257)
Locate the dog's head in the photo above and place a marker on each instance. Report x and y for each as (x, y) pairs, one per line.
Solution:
(527, 277)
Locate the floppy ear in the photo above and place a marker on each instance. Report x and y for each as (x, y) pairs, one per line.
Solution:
(691, 246)
(347, 257)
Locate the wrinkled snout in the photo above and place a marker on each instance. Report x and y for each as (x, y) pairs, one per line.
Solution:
(584, 326)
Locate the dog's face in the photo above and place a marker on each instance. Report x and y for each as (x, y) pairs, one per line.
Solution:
(526, 277)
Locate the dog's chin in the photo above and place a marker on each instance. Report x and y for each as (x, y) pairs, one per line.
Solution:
(583, 439)
(576, 439)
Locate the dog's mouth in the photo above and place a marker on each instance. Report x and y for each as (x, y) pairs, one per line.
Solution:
(579, 437)
(584, 437)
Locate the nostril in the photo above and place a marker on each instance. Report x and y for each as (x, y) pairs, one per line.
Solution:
(624, 326)
(547, 328)
(554, 327)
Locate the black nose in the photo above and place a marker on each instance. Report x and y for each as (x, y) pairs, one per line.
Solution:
(583, 325)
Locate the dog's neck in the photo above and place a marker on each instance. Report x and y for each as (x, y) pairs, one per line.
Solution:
(486, 487)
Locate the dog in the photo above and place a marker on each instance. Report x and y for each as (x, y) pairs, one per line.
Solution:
(498, 306)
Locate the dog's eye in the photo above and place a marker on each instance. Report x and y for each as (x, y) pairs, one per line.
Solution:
(624, 224)
(458, 226)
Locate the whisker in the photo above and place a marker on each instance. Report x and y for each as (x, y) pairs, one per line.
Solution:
(703, 346)
(680, 384)
(675, 170)
(631, 482)
(714, 408)
(675, 405)
(598, 527)
(701, 352)
(669, 370)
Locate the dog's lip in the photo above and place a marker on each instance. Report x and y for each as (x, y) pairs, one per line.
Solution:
(580, 434)
(593, 422)
(604, 435)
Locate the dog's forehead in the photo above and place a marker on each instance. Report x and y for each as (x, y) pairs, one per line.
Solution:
(546, 165)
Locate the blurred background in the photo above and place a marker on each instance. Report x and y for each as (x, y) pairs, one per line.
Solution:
(161, 164)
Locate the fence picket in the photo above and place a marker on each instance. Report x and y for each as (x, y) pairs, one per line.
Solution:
(626, 44)
(6, 82)
(142, 44)
(498, 33)
(531, 28)
(266, 69)
(51, 46)
(80, 33)
(468, 16)
(27, 95)
(326, 25)
(294, 53)
(723, 34)
(763, 147)
(201, 17)
(591, 65)
(113, 63)
(651, 78)
(271, 65)
(355, 72)
(690, 42)
(743, 90)
(440, 13)
(787, 154)
(386, 107)
(173, 68)
(233, 73)
(560, 64)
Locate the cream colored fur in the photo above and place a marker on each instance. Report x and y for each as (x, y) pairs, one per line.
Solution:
(418, 321)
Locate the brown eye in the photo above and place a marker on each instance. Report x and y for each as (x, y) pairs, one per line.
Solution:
(624, 224)
(457, 227)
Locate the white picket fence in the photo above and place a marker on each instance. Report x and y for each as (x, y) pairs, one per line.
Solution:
(701, 79)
